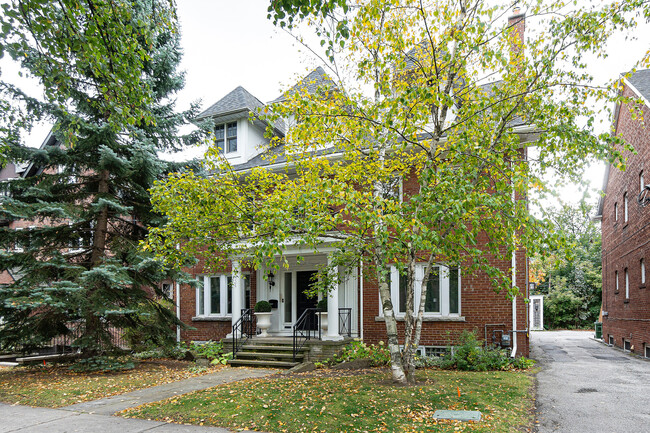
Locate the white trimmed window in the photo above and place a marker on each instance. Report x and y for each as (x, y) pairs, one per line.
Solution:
(641, 181)
(615, 212)
(642, 265)
(627, 284)
(214, 295)
(225, 137)
(625, 214)
(443, 291)
(616, 280)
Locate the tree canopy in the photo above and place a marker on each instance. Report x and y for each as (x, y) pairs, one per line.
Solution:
(108, 71)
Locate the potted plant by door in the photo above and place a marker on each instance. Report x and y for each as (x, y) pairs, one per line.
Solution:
(263, 314)
(322, 308)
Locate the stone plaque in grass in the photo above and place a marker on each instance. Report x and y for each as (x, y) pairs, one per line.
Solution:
(357, 364)
(458, 415)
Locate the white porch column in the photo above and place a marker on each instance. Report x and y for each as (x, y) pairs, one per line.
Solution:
(237, 290)
(333, 310)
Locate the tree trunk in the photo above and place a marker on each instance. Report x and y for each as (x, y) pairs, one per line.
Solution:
(92, 324)
(391, 330)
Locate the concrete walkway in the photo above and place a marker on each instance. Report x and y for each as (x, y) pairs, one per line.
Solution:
(586, 386)
(117, 403)
(95, 416)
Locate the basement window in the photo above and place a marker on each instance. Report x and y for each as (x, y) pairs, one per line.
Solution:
(647, 351)
(627, 345)
(611, 340)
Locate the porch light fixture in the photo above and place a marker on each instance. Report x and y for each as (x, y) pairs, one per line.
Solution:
(270, 276)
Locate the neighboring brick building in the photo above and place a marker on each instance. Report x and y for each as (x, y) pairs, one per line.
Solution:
(625, 225)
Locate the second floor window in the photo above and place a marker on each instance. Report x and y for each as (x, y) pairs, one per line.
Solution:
(225, 136)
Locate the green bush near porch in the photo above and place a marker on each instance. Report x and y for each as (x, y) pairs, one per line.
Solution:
(326, 401)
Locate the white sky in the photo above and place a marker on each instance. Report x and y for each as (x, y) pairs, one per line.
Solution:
(232, 43)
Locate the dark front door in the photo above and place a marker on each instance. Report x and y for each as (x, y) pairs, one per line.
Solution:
(304, 282)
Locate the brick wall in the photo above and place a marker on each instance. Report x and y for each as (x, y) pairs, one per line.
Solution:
(625, 244)
(480, 306)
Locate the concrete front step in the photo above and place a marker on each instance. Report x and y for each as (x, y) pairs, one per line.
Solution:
(255, 347)
(261, 363)
(274, 355)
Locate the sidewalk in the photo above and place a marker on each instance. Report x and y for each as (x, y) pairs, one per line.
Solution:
(117, 403)
(25, 419)
(95, 416)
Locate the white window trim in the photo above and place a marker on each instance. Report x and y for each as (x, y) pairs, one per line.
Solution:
(207, 301)
(223, 281)
(641, 182)
(419, 276)
(225, 137)
(616, 279)
(627, 284)
(625, 213)
(615, 212)
(642, 271)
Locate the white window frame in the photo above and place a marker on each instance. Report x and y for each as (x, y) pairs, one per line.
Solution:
(18, 247)
(207, 299)
(226, 147)
(625, 213)
(641, 181)
(627, 284)
(615, 212)
(224, 298)
(419, 276)
(616, 280)
(642, 265)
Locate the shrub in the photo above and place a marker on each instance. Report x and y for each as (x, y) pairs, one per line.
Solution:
(262, 307)
(471, 355)
(377, 354)
(322, 305)
(212, 350)
(102, 364)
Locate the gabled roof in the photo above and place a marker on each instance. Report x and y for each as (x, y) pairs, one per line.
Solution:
(641, 83)
(239, 100)
(311, 83)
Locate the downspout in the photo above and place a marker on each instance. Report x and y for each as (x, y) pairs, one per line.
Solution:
(178, 311)
(514, 284)
(361, 301)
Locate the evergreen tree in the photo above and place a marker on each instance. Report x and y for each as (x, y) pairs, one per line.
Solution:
(108, 70)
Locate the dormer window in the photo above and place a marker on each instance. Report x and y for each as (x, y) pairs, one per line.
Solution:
(225, 136)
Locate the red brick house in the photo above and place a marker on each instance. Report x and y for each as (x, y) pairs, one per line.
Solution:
(625, 225)
(461, 302)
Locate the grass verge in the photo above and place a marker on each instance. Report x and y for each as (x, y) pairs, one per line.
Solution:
(367, 401)
(57, 386)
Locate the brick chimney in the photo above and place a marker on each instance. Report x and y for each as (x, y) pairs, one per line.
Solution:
(517, 25)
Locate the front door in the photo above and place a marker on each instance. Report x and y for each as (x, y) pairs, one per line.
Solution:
(304, 282)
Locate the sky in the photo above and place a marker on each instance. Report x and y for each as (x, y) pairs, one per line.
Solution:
(232, 43)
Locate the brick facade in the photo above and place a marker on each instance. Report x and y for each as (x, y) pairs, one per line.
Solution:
(626, 311)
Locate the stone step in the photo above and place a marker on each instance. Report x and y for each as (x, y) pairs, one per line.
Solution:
(258, 355)
(261, 363)
(255, 347)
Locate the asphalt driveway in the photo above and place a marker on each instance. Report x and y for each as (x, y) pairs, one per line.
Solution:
(586, 386)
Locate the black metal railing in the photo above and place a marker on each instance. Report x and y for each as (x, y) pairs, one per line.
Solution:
(306, 327)
(242, 330)
(345, 321)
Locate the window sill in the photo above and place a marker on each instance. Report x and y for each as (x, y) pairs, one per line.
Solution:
(625, 226)
(428, 318)
(212, 319)
(642, 286)
(627, 301)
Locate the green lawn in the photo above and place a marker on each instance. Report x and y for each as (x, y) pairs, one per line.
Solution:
(325, 402)
(56, 386)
